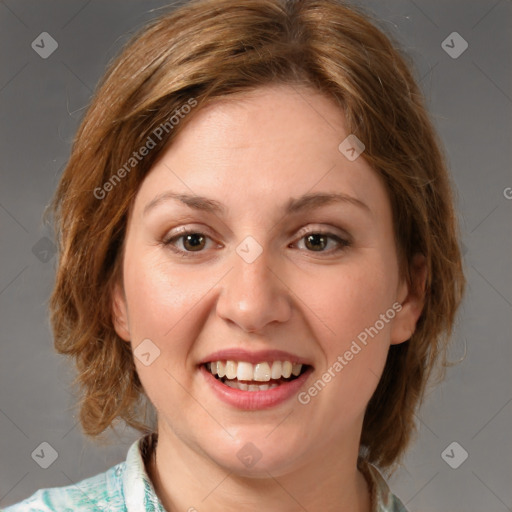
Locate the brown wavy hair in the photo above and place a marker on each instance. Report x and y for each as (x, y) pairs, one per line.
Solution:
(206, 49)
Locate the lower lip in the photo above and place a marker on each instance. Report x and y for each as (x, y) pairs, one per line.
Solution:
(253, 400)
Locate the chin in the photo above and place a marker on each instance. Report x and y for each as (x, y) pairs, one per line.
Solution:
(258, 456)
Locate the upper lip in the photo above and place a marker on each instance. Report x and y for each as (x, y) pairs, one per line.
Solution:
(239, 354)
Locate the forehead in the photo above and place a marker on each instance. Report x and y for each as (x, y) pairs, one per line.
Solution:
(276, 141)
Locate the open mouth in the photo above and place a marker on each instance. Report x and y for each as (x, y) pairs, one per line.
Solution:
(261, 379)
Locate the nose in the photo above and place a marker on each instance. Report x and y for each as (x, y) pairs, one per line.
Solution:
(254, 295)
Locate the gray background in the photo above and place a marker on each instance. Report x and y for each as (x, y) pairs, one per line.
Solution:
(470, 99)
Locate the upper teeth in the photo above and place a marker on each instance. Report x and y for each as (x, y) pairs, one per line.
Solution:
(242, 370)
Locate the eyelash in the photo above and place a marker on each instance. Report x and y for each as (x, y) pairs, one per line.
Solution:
(187, 254)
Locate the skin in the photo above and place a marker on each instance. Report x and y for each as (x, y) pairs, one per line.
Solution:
(253, 153)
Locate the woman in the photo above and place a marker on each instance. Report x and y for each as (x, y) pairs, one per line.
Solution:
(258, 240)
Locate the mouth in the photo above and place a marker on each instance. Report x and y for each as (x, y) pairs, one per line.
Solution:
(255, 387)
(263, 376)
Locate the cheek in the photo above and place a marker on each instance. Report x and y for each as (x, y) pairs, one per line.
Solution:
(352, 297)
(161, 305)
(158, 299)
(355, 339)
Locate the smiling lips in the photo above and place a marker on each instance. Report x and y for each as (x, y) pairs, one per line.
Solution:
(246, 376)
(243, 370)
(275, 374)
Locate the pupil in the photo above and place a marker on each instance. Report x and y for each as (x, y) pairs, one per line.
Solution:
(193, 236)
(316, 237)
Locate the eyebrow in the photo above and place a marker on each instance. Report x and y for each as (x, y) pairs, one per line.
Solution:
(294, 205)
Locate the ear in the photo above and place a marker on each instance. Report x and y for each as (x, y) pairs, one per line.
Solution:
(120, 312)
(412, 298)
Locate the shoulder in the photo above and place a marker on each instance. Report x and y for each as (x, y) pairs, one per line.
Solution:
(99, 492)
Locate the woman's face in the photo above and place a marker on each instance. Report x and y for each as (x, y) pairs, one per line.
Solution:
(256, 275)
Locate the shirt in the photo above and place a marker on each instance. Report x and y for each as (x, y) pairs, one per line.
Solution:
(126, 487)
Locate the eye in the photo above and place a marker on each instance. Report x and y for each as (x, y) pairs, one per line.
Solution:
(193, 241)
(318, 240)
